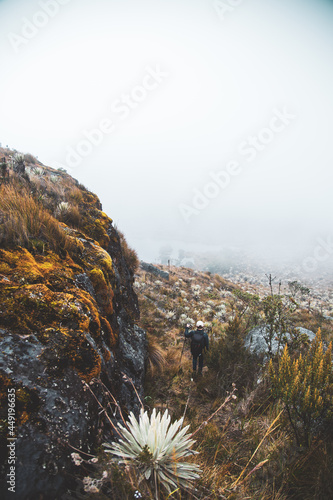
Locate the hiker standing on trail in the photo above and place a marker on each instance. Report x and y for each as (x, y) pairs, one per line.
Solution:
(199, 342)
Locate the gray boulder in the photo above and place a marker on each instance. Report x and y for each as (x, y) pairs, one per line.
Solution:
(256, 343)
(149, 268)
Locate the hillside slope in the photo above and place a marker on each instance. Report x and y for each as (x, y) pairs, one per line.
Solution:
(67, 317)
(243, 451)
(73, 347)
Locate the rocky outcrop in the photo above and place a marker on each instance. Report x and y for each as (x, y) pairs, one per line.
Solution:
(67, 326)
(154, 270)
(256, 342)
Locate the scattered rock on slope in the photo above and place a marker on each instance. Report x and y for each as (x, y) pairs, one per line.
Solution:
(256, 343)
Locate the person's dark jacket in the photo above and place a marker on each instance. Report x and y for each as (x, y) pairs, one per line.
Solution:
(189, 334)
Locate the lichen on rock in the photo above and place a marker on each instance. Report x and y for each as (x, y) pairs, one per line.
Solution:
(67, 316)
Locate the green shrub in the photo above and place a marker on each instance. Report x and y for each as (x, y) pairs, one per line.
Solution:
(228, 360)
(305, 385)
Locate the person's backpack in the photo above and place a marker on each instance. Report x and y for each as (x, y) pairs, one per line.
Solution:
(197, 343)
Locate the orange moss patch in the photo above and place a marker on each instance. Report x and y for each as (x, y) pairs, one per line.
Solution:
(52, 262)
(26, 268)
(104, 292)
(21, 266)
(5, 383)
(106, 354)
(109, 335)
(102, 276)
(91, 311)
(9, 257)
(97, 257)
(82, 356)
(26, 403)
(30, 308)
(96, 226)
(24, 418)
(39, 292)
(97, 279)
(4, 268)
(94, 372)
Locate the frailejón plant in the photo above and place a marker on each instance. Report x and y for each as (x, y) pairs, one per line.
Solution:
(155, 448)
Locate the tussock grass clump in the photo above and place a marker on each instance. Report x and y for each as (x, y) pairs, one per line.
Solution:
(156, 356)
(69, 214)
(23, 219)
(75, 195)
(29, 158)
(130, 255)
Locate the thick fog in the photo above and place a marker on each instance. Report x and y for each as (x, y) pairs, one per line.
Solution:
(200, 124)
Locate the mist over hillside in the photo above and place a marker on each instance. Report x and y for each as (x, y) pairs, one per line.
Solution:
(310, 264)
(217, 130)
(204, 129)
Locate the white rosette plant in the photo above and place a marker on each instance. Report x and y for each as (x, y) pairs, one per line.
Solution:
(155, 448)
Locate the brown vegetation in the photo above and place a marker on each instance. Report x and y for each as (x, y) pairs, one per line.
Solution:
(53, 230)
(247, 450)
(25, 220)
(130, 255)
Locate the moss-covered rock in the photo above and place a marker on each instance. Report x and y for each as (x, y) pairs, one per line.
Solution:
(67, 317)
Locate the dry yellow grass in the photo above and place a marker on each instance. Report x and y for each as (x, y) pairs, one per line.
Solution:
(23, 220)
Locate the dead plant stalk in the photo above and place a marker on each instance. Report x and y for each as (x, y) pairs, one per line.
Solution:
(267, 433)
(226, 401)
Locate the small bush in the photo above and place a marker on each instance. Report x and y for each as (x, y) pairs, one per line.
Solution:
(76, 194)
(305, 385)
(28, 158)
(229, 361)
(69, 214)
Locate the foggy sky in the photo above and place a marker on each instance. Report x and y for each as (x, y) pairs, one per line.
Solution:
(217, 117)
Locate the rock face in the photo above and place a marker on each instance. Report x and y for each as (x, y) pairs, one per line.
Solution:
(256, 343)
(67, 322)
(154, 270)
